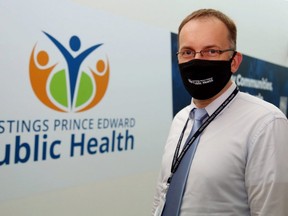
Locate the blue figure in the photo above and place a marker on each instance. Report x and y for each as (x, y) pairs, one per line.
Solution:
(73, 63)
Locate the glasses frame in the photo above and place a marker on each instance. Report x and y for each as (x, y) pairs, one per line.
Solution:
(204, 53)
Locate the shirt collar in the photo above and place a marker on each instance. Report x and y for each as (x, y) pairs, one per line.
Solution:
(211, 108)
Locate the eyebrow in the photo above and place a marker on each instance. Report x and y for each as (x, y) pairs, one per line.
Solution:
(206, 47)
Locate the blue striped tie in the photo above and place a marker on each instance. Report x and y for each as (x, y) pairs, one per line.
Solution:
(178, 182)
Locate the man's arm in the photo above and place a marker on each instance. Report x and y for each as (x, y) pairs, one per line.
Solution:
(267, 169)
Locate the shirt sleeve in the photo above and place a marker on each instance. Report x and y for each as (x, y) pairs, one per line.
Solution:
(266, 176)
(163, 174)
(175, 129)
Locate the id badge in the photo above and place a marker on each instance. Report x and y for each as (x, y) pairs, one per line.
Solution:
(162, 201)
(160, 207)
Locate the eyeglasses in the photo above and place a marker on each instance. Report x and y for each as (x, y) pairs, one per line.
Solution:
(206, 53)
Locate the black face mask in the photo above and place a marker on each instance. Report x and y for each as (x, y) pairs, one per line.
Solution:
(203, 79)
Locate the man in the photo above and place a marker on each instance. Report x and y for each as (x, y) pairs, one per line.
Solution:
(240, 166)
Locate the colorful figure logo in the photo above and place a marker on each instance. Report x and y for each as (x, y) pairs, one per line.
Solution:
(68, 89)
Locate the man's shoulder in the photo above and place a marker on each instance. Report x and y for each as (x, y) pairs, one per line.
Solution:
(258, 105)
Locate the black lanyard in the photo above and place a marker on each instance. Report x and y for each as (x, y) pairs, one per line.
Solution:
(177, 158)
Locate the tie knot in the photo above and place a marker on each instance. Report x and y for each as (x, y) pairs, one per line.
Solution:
(199, 114)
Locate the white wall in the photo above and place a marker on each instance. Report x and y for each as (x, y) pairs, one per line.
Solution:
(116, 182)
(262, 24)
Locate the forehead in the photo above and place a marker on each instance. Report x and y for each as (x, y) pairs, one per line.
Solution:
(204, 32)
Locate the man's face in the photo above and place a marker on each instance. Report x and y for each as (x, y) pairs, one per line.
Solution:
(204, 33)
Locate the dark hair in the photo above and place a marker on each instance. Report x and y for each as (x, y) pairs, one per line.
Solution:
(206, 13)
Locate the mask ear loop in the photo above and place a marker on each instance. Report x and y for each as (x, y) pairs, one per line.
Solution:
(234, 54)
(231, 60)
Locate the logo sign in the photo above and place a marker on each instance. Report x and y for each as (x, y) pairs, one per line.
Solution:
(77, 85)
(72, 138)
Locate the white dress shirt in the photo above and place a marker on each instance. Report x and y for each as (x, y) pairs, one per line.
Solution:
(240, 167)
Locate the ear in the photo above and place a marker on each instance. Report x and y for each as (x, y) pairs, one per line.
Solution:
(236, 62)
